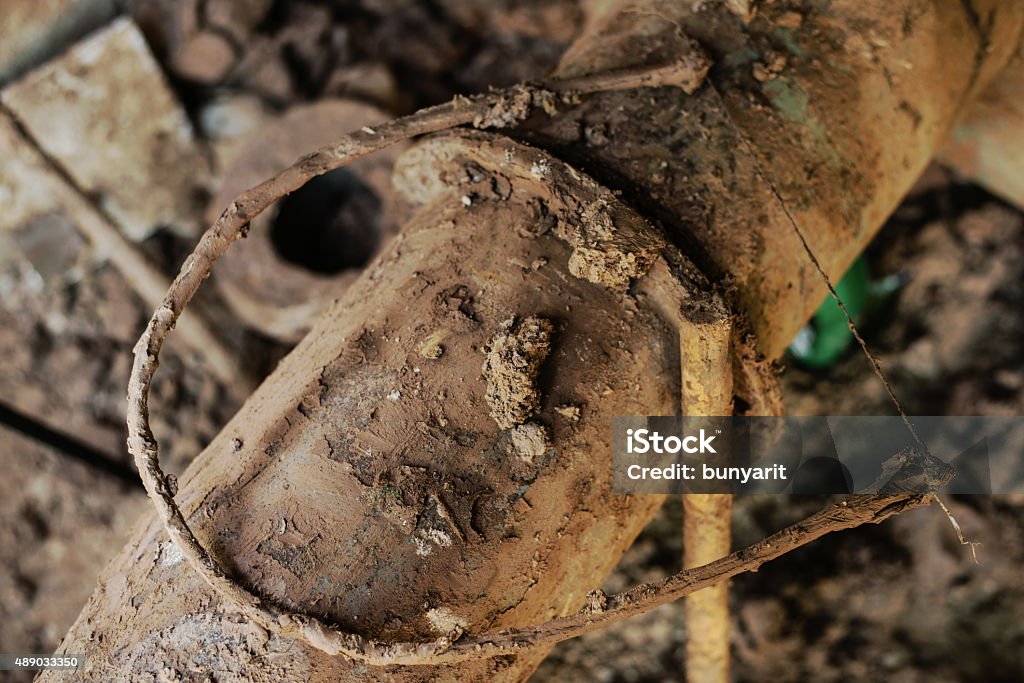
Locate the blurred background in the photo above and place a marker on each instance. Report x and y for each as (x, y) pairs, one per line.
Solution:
(126, 126)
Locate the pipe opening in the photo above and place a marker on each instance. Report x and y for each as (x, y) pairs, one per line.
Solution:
(329, 225)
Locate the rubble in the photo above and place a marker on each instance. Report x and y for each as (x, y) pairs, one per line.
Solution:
(205, 58)
(35, 30)
(238, 18)
(62, 523)
(126, 142)
(68, 319)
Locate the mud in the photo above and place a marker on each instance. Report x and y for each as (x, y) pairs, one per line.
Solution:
(513, 361)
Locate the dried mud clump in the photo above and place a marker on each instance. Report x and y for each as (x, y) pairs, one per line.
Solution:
(611, 246)
(513, 360)
(530, 440)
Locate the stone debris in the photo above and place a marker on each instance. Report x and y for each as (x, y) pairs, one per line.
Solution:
(238, 18)
(32, 31)
(228, 123)
(126, 142)
(68, 320)
(205, 58)
(60, 524)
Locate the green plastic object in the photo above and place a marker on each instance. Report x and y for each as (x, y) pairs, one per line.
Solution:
(826, 338)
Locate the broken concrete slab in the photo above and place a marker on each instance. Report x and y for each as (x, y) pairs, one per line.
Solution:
(33, 188)
(104, 112)
(69, 319)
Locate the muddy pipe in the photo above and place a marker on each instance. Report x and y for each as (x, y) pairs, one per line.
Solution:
(433, 457)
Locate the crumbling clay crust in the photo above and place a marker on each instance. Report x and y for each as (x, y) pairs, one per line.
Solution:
(510, 370)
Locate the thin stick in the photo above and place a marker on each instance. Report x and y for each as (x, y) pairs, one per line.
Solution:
(686, 73)
(707, 383)
(959, 532)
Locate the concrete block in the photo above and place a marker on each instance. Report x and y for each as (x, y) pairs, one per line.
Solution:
(104, 112)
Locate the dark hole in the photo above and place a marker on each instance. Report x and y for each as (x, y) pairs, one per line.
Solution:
(328, 225)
